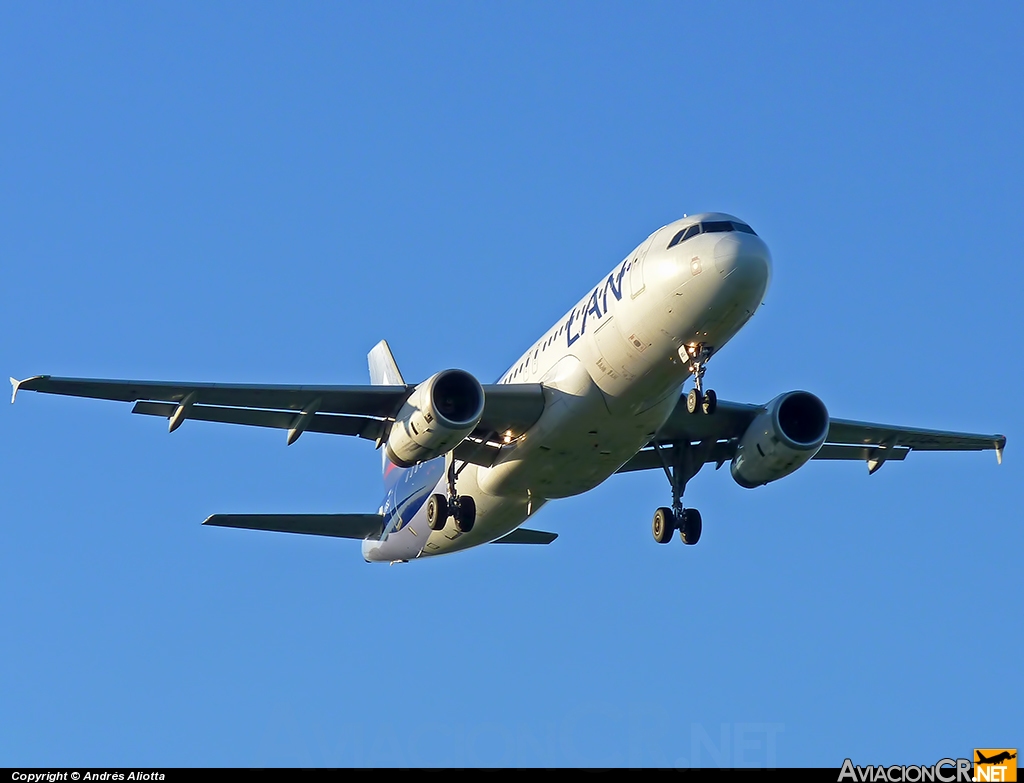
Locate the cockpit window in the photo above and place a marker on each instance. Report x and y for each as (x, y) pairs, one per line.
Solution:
(715, 227)
(686, 233)
(710, 227)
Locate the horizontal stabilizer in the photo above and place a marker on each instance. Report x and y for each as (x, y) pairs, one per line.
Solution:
(524, 536)
(358, 526)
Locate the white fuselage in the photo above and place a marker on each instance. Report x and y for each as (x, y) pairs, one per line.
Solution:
(611, 372)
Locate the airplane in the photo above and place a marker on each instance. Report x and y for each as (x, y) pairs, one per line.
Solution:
(996, 759)
(599, 393)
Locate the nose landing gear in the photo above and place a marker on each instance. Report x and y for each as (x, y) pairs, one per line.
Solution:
(698, 399)
(461, 507)
(683, 463)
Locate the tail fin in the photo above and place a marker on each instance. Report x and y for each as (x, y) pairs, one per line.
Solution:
(384, 372)
(383, 369)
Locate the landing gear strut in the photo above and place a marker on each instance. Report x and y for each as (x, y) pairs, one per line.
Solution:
(461, 507)
(681, 464)
(698, 399)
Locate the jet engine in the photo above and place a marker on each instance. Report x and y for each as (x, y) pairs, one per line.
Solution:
(436, 418)
(783, 437)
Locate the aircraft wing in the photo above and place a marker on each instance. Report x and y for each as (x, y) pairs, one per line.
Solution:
(846, 440)
(363, 411)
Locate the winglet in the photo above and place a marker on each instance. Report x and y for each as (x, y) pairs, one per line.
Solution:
(16, 384)
(999, 444)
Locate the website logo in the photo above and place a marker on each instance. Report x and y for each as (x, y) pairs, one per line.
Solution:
(995, 764)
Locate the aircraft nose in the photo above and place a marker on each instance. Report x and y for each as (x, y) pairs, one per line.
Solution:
(744, 259)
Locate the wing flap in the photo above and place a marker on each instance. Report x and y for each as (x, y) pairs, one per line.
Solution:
(863, 453)
(332, 423)
(479, 451)
(648, 459)
(358, 526)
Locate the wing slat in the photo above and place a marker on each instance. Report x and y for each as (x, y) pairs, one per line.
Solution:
(864, 453)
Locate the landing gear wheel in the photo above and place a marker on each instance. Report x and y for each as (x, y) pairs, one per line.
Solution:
(710, 402)
(464, 513)
(664, 525)
(690, 529)
(437, 512)
(693, 401)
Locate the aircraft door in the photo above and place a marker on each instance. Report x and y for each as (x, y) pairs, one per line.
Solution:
(614, 358)
(636, 269)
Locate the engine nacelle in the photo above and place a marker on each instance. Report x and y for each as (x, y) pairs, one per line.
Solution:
(782, 438)
(436, 418)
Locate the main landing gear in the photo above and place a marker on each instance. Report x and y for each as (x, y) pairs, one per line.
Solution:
(687, 521)
(682, 463)
(461, 507)
(698, 399)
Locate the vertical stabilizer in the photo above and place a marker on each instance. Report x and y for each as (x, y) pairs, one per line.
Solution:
(384, 372)
(383, 369)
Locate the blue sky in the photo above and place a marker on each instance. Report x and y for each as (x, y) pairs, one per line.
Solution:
(260, 192)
